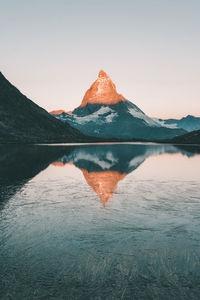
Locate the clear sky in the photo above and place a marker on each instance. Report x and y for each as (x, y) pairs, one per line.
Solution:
(52, 50)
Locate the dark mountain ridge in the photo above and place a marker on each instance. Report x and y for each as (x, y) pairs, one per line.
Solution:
(21, 120)
(188, 138)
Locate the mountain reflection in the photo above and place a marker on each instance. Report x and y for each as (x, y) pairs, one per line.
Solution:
(103, 166)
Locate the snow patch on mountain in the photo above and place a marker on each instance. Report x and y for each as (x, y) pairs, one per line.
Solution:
(140, 115)
(163, 124)
(106, 114)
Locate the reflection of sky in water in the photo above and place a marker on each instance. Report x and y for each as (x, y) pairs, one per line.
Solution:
(58, 239)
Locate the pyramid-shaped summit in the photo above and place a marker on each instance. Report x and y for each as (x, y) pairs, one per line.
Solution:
(105, 113)
(102, 91)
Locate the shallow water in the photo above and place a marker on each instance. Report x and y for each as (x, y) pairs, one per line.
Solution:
(100, 222)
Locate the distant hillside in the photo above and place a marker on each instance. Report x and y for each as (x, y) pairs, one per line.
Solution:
(188, 123)
(21, 120)
(188, 138)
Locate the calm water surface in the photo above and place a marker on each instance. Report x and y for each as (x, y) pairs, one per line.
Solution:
(100, 222)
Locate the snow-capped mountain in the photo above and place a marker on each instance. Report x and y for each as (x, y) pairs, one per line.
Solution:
(105, 113)
(188, 123)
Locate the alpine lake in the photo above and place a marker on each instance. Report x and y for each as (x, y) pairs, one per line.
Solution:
(100, 221)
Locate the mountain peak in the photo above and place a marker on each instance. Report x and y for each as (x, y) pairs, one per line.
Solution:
(103, 74)
(102, 91)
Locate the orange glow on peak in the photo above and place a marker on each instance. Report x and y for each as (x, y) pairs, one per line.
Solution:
(103, 74)
(102, 91)
(60, 111)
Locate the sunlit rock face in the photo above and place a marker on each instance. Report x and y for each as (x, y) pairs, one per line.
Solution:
(106, 114)
(102, 91)
(60, 111)
(104, 166)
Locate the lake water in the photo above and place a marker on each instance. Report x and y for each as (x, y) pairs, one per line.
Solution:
(110, 221)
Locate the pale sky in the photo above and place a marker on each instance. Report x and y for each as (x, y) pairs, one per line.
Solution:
(52, 50)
